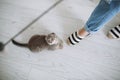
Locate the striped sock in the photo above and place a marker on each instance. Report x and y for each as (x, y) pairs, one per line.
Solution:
(75, 38)
(115, 32)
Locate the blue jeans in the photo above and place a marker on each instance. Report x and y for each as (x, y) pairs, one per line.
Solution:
(103, 13)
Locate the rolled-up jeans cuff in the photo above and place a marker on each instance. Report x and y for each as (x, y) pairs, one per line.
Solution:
(87, 29)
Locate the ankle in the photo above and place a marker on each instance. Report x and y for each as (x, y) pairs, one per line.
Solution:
(83, 32)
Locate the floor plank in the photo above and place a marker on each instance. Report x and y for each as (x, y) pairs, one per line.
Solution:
(15, 15)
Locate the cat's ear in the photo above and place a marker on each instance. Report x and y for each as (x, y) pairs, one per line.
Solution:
(53, 33)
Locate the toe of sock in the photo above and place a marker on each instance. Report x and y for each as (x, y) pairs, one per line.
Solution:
(110, 36)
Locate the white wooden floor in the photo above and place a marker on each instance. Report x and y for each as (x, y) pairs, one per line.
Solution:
(94, 58)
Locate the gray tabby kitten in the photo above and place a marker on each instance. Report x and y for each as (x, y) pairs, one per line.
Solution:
(40, 42)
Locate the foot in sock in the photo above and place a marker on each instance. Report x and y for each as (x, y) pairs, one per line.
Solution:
(77, 36)
(114, 33)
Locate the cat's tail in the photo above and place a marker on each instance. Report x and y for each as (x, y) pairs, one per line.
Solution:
(20, 44)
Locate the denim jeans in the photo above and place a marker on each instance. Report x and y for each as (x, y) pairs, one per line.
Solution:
(103, 13)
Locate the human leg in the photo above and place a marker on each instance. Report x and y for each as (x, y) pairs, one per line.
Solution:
(101, 15)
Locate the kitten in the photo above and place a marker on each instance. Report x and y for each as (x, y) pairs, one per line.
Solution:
(39, 42)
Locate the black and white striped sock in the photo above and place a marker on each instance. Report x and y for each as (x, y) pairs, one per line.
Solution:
(75, 38)
(115, 32)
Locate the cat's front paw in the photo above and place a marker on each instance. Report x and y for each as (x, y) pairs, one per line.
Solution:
(61, 46)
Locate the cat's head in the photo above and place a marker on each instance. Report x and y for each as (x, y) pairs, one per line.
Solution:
(51, 38)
